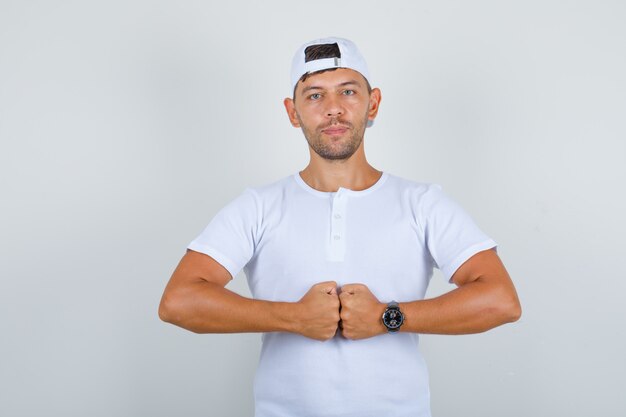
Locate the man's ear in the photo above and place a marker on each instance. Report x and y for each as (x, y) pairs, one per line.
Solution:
(290, 106)
(375, 98)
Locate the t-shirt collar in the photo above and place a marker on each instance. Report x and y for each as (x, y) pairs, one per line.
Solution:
(341, 190)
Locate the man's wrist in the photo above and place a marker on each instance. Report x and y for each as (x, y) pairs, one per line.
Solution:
(380, 326)
(285, 316)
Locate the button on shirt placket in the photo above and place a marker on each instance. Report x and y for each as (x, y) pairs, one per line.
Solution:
(337, 247)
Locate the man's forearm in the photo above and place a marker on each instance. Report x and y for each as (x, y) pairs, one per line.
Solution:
(473, 308)
(206, 307)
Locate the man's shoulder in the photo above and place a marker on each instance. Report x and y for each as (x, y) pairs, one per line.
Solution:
(406, 184)
(272, 188)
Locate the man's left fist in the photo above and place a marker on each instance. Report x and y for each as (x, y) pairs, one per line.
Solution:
(361, 312)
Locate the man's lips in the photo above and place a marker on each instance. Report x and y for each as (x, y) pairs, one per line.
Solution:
(335, 130)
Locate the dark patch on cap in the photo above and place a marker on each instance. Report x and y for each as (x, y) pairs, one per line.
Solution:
(327, 50)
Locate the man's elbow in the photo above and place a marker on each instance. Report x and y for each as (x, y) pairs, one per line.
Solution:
(174, 309)
(501, 307)
(510, 310)
(167, 309)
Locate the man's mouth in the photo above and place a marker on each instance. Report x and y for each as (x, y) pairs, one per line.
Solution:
(335, 130)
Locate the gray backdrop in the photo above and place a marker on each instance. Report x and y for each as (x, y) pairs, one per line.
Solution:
(125, 126)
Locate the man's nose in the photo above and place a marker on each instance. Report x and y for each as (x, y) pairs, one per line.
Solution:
(333, 107)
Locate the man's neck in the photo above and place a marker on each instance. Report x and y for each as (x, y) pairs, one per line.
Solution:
(328, 176)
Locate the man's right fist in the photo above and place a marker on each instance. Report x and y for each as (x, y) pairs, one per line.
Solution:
(318, 311)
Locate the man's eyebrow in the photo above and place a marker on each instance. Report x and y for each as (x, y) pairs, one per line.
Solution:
(343, 84)
(311, 87)
(351, 82)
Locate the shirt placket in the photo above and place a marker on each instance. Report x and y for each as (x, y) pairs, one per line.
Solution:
(337, 238)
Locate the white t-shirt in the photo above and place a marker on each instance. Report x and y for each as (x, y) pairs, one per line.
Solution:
(288, 236)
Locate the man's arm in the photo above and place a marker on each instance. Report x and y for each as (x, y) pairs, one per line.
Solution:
(196, 299)
(485, 298)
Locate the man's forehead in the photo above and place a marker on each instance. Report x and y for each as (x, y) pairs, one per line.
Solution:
(333, 78)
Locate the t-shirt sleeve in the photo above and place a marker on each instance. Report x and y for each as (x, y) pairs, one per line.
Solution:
(451, 235)
(230, 236)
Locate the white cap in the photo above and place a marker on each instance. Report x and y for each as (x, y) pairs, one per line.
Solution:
(345, 55)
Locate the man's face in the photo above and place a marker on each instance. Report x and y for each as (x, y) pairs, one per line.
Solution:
(333, 108)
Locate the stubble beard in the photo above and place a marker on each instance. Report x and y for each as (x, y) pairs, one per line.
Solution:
(339, 148)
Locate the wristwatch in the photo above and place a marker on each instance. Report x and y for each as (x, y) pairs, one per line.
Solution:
(393, 317)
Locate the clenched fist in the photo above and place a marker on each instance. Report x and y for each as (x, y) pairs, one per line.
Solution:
(361, 312)
(318, 311)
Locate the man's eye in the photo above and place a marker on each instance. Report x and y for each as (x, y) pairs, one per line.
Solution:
(315, 96)
(348, 92)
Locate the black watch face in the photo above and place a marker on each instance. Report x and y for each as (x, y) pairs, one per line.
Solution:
(393, 318)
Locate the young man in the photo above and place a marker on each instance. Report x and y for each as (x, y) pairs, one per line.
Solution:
(338, 258)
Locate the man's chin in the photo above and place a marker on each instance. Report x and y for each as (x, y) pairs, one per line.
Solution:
(336, 156)
(335, 147)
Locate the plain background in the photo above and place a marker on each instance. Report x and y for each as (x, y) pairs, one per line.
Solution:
(126, 125)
